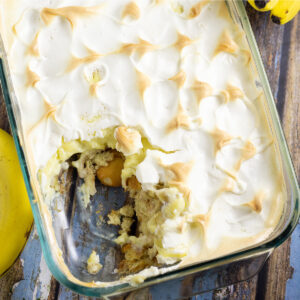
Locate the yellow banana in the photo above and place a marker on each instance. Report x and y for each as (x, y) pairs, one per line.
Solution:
(263, 5)
(15, 211)
(285, 11)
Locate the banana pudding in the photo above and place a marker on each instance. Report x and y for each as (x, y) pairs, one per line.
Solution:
(160, 97)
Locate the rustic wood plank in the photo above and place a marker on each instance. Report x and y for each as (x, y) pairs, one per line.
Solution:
(36, 275)
(66, 294)
(277, 270)
(244, 290)
(3, 116)
(11, 279)
(275, 273)
(143, 294)
(292, 285)
(54, 289)
(292, 130)
(291, 109)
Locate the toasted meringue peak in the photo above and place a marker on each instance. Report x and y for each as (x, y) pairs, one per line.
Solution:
(228, 186)
(77, 61)
(140, 48)
(182, 41)
(197, 8)
(50, 111)
(221, 139)
(143, 82)
(248, 152)
(256, 203)
(71, 13)
(32, 78)
(202, 90)
(232, 93)
(226, 44)
(128, 140)
(181, 120)
(33, 48)
(179, 172)
(132, 10)
(179, 78)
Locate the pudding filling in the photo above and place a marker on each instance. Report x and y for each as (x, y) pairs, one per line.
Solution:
(148, 210)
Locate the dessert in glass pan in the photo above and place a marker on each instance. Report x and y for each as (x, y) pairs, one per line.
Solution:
(159, 97)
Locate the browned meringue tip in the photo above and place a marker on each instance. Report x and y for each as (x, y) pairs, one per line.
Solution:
(127, 139)
(70, 13)
(232, 93)
(195, 11)
(132, 10)
(226, 44)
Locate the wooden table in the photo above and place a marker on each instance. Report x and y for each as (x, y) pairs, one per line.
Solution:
(30, 278)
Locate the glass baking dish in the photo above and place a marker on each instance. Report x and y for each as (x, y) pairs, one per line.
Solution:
(74, 231)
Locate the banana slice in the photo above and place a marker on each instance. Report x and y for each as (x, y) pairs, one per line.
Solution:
(15, 211)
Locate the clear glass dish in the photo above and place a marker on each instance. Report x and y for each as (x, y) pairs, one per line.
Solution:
(77, 233)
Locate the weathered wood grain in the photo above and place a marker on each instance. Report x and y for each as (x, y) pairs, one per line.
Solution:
(7, 283)
(292, 285)
(243, 290)
(280, 51)
(3, 116)
(269, 39)
(277, 270)
(291, 95)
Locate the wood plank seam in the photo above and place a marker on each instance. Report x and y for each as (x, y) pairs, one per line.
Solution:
(282, 82)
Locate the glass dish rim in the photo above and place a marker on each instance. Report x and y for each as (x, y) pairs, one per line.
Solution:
(255, 250)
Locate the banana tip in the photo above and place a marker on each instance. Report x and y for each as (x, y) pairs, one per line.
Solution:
(275, 19)
(260, 3)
